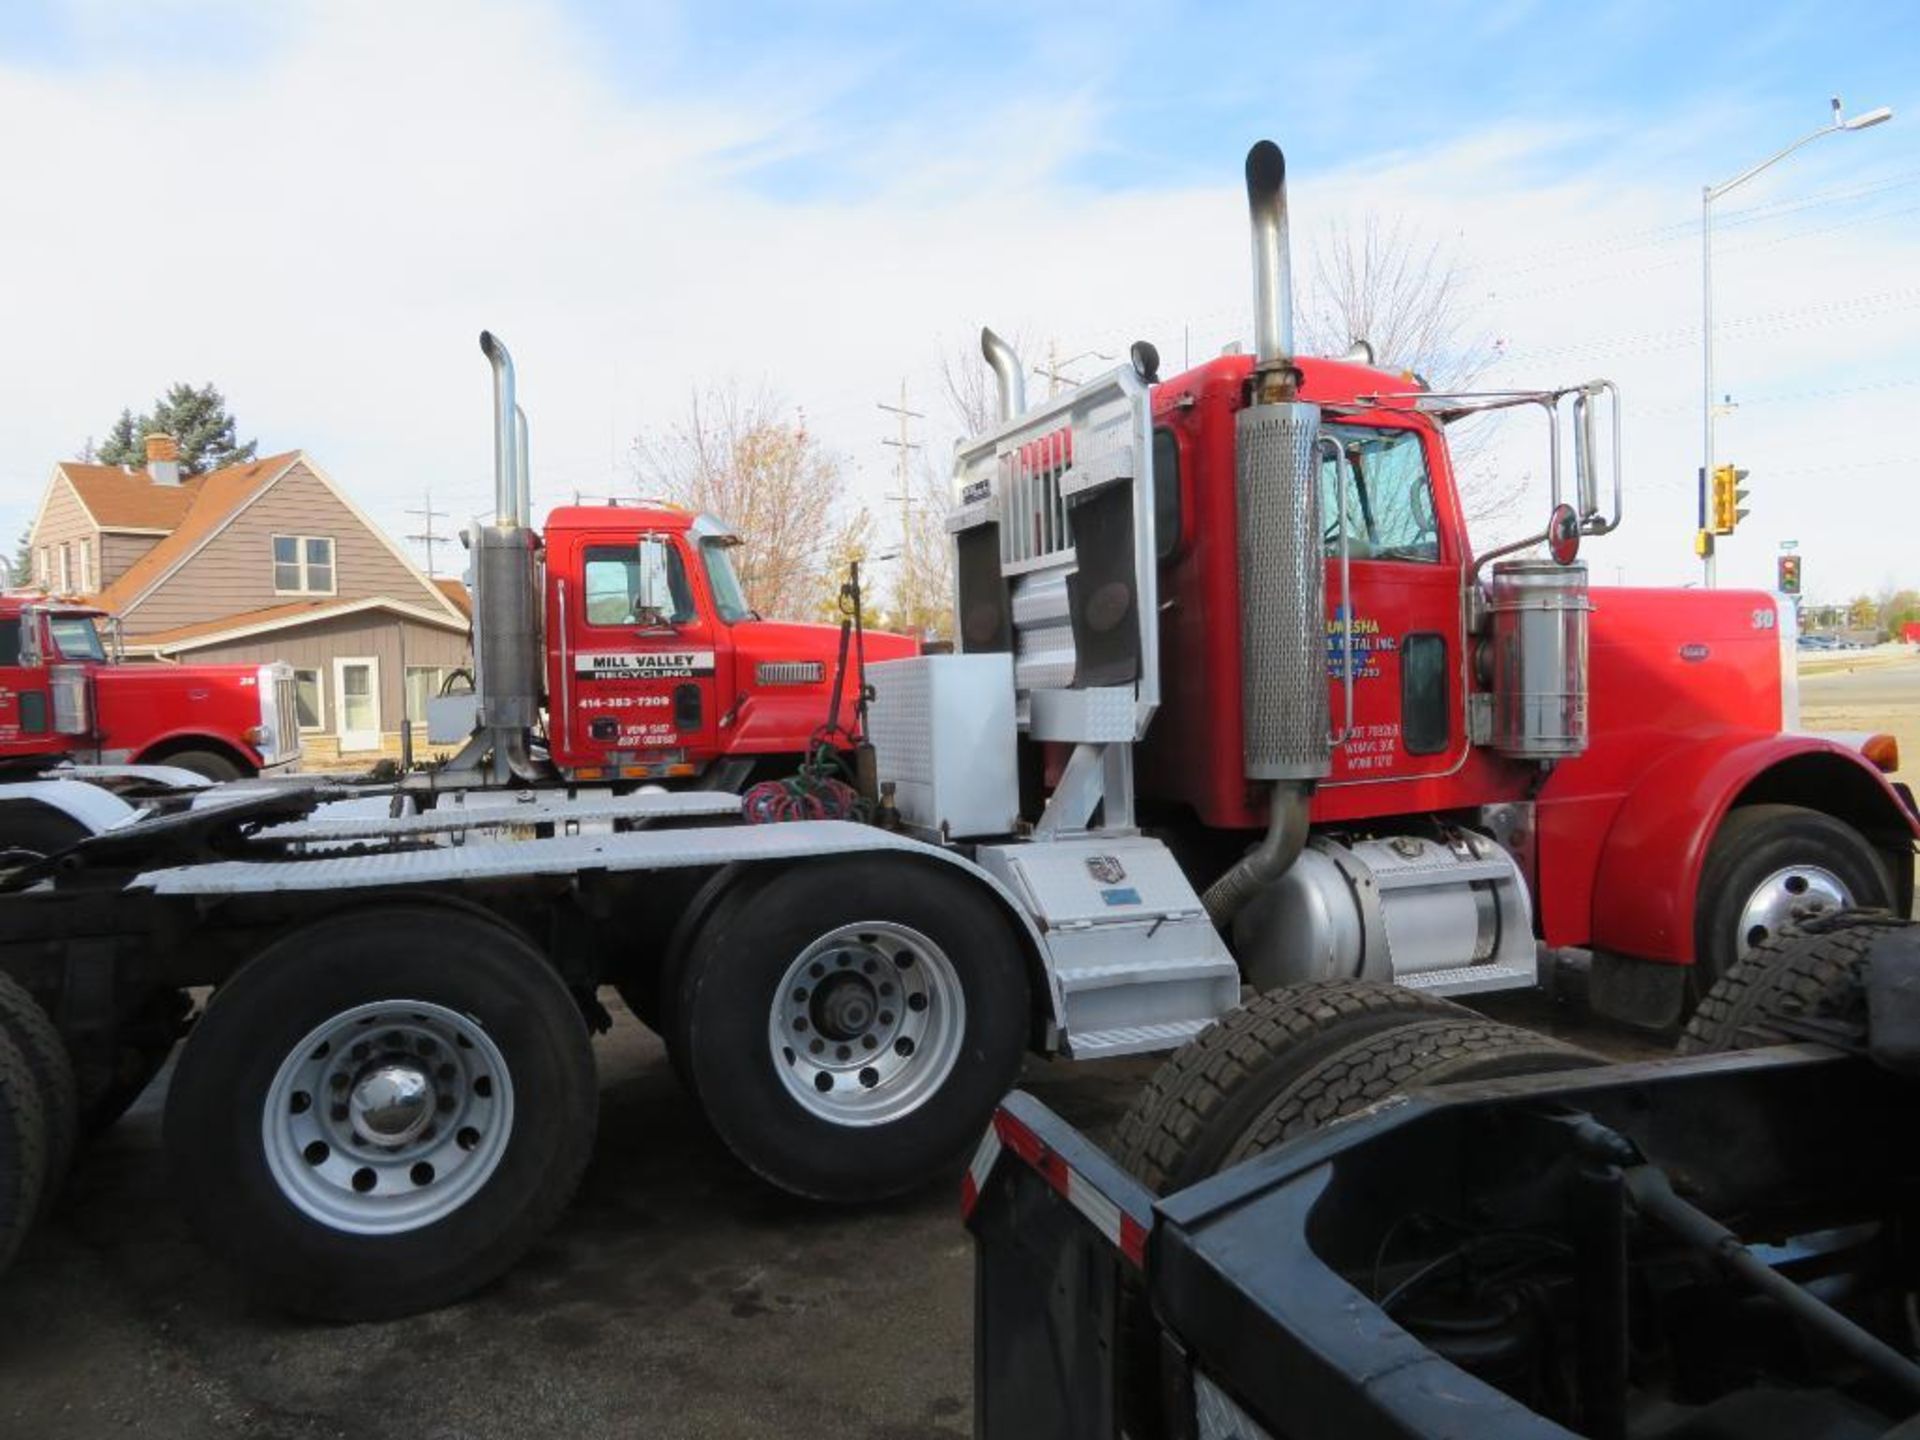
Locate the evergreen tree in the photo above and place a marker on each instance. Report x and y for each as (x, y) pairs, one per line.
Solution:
(23, 558)
(122, 445)
(196, 416)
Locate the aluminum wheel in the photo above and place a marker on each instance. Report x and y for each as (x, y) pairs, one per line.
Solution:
(388, 1117)
(1787, 897)
(867, 1023)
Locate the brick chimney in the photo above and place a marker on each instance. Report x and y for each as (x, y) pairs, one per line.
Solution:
(163, 459)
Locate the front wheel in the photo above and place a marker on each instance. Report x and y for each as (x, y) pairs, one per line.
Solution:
(850, 1025)
(382, 1111)
(1775, 867)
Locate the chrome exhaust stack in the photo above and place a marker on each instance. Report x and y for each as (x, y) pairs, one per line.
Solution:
(1283, 605)
(506, 608)
(1010, 381)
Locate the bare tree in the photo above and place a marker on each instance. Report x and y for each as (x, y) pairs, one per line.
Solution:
(742, 458)
(1405, 295)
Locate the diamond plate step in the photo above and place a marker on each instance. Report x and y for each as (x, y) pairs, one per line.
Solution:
(1471, 979)
(1135, 1039)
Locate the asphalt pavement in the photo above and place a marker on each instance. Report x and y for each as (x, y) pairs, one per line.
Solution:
(1876, 690)
(679, 1297)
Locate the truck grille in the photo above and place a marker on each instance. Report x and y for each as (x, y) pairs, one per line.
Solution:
(286, 712)
(791, 672)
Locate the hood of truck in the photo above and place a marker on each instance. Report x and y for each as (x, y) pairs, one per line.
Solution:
(1668, 661)
(783, 680)
(775, 640)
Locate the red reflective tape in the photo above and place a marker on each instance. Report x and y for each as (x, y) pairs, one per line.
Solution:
(1133, 1241)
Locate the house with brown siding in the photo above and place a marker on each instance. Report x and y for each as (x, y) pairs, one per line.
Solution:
(268, 560)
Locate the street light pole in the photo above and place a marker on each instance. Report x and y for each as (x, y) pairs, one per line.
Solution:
(1709, 194)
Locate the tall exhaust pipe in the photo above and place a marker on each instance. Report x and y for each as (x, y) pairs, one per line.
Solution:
(1272, 273)
(1009, 380)
(506, 612)
(1283, 606)
(505, 440)
(522, 474)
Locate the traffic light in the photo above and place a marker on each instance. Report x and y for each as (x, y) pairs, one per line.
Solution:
(1787, 574)
(1727, 496)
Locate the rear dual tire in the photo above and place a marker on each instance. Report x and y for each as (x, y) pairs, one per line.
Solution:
(382, 1111)
(849, 1025)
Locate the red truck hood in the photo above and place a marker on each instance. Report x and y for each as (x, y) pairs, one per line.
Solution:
(792, 640)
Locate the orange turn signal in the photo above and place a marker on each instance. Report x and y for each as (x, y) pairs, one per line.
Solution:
(1883, 752)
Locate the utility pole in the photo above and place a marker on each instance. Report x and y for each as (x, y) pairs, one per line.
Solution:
(428, 536)
(1055, 368)
(903, 473)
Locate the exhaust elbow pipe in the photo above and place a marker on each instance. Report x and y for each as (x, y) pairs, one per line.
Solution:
(1286, 837)
(1009, 379)
(1272, 265)
(506, 443)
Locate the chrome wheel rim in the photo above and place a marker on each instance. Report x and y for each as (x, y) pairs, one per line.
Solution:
(388, 1117)
(1789, 896)
(867, 1023)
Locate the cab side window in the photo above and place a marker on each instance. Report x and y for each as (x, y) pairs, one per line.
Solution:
(1382, 493)
(637, 585)
(10, 642)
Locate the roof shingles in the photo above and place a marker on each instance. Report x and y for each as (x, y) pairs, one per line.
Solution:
(215, 497)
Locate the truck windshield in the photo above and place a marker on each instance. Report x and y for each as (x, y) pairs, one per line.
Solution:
(75, 638)
(729, 600)
(1382, 492)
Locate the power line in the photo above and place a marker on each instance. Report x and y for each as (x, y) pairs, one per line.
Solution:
(428, 536)
(903, 449)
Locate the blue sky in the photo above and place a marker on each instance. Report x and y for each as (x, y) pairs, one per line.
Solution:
(826, 199)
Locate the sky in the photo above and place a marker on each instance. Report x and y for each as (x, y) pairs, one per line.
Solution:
(318, 206)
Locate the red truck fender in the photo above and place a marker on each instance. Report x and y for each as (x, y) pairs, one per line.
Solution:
(1648, 877)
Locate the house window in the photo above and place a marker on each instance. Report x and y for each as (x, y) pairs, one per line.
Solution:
(303, 564)
(306, 700)
(423, 684)
(85, 585)
(66, 567)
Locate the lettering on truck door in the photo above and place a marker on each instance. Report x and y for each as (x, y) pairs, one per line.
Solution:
(643, 670)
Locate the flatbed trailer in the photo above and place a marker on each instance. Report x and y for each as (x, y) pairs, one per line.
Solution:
(1719, 1245)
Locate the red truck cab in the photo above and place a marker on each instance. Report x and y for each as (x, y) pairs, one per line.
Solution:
(1691, 697)
(657, 666)
(64, 696)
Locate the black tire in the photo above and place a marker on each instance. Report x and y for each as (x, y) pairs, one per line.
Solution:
(23, 1150)
(1209, 1091)
(459, 964)
(32, 1032)
(1818, 975)
(735, 970)
(1757, 841)
(38, 829)
(1410, 1057)
(208, 764)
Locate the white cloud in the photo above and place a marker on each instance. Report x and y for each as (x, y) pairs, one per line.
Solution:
(324, 230)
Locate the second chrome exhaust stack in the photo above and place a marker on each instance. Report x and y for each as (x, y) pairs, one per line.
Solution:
(1283, 605)
(1010, 381)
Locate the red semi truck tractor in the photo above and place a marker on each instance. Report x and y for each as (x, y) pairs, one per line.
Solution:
(618, 645)
(1451, 756)
(64, 697)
